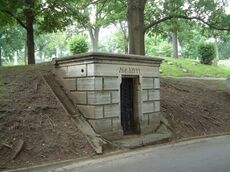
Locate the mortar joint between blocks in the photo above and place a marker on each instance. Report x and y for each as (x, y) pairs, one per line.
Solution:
(103, 83)
(111, 98)
(103, 111)
(87, 98)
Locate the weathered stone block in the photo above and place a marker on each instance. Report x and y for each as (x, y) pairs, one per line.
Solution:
(111, 110)
(101, 125)
(90, 83)
(99, 97)
(154, 94)
(145, 120)
(145, 128)
(69, 84)
(91, 112)
(90, 70)
(157, 106)
(79, 97)
(116, 70)
(116, 124)
(105, 70)
(147, 83)
(144, 95)
(150, 71)
(115, 97)
(156, 83)
(113, 135)
(147, 107)
(76, 71)
(154, 119)
(111, 83)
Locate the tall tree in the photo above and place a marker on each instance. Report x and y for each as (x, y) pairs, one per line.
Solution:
(99, 15)
(175, 45)
(46, 16)
(11, 41)
(136, 26)
(122, 27)
(208, 13)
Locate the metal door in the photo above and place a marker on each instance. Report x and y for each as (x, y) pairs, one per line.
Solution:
(127, 117)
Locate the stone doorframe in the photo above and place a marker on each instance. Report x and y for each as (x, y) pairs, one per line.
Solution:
(136, 101)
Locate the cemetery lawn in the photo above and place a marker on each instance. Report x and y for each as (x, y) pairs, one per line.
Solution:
(188, 67)
(30, 114)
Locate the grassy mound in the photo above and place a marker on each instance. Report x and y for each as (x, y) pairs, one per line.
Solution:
(188, 67)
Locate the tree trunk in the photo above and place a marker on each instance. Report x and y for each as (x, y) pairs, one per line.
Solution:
(136, 26)
(94, 37)
(30, 31)
(25, 53)
(175, 45)
(126, 49)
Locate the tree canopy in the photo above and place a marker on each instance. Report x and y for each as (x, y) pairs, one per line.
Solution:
(142, 16)
(42, 16)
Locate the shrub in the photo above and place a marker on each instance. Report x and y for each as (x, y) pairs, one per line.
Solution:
(206, 53)
(78, 44)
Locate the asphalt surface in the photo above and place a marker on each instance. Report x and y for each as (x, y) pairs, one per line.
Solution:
(204, 155)
(208, 155)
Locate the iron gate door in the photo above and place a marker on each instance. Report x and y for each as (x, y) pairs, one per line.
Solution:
(127, 117)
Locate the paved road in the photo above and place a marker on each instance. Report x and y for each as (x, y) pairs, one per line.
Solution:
(204, 155)
(208, 155)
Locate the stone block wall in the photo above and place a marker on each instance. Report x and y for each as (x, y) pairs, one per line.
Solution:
(150, 103)
(95, 89)
(97, 98)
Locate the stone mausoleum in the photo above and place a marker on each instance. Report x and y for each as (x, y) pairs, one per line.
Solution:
(117, 94)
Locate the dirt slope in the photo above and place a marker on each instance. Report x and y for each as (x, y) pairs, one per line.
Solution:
(196, 107)
(30, 113)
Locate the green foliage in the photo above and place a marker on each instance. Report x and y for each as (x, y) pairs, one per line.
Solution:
(121, 44)
(48, 15)
(12, 41)
(78, 45)
(194, 68)
(180, 15)
(189, 40)
(50, 45)
(207, 53)
(224, 49)
(158, 46)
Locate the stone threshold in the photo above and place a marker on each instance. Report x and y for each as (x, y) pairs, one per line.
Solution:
(135, 141)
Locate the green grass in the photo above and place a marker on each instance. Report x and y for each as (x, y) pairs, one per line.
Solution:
(193, 68)
(175, 69)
